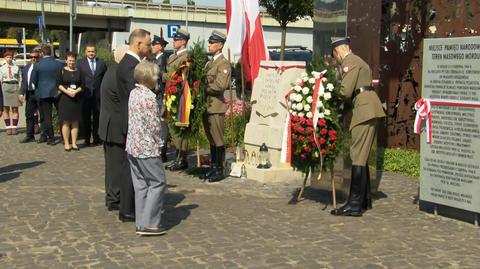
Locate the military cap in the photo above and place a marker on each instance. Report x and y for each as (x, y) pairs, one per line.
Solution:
(181, 35)
(217, 36)
(159, 41)
(337, 41)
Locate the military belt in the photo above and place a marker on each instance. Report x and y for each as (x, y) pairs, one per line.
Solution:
(362, 89)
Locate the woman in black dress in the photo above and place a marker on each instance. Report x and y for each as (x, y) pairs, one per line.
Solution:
(70, 105)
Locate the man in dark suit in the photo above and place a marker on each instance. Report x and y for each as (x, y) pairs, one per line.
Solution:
(27, 92)
(112, 137)
(160, 58)
(44, 78)
(92, 71)
(139, 48)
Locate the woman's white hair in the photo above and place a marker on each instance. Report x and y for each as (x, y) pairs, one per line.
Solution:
(146, 72)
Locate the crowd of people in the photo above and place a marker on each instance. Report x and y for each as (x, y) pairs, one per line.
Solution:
(122, 106)
(73, 87)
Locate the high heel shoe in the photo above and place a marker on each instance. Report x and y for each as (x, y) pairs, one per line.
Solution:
(68, 150)
(75, 148)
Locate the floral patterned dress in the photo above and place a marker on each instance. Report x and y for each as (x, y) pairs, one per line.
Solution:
(144, 138)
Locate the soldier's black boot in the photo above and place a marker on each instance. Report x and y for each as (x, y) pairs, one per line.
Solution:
(177, 158)
(219, 172)
(357, 193)
(213, 163)
(182, 164)
(164, 153)
(367, 202)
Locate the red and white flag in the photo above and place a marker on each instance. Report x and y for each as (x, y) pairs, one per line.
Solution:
(245, 35)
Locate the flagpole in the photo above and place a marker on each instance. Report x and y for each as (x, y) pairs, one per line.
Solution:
(232, 126)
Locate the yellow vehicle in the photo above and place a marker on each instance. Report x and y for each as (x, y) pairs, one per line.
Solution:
(11, 44)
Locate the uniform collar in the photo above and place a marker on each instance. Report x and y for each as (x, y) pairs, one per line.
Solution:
(217, 56)
(181, 51)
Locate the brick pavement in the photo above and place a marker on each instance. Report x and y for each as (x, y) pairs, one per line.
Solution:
(52, 215)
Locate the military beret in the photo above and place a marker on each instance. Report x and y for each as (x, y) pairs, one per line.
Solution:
(181, 35)
(217, 36)
(159, 41)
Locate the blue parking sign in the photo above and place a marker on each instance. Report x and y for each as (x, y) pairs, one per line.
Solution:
(172, 29)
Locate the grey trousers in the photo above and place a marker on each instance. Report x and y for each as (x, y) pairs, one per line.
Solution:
(149, 182)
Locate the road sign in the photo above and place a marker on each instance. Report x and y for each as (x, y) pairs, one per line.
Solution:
(172, 29)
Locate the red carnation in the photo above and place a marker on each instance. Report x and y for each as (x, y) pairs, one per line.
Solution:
(322, 122)
(309, 130)
(303, 156)
(333, 137)
(310, 139)
(323, 151)
(179, 79)
(323, 131)
(196, 84)
(309, 122)
(302, 139)
(322, 141)
(331, 147)
(174, 90)
(302, 120)
(332, 132)
(294, 136)
(314, 158)
(174, 83)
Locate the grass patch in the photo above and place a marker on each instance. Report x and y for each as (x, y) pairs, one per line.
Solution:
(403, 161)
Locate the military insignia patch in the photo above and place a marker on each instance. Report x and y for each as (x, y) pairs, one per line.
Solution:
(346, 69)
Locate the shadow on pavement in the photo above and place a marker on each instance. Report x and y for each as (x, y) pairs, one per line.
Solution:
(8, 171)
(175, 215)
(9, 176)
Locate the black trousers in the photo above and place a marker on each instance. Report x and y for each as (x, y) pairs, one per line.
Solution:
(113, 175)
(31, 107)
(45, 105)
(127, 195)
(91, 109)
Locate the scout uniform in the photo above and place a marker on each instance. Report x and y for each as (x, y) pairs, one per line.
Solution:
(173, 63)
(367, 108)
(10, 80)
(218, 75)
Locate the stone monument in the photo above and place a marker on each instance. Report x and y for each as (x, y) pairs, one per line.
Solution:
(267, 121)
(450, 167)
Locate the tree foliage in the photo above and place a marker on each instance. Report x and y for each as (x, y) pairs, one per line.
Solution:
(287, 11)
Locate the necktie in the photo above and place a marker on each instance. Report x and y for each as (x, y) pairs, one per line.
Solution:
(10, 75)
(92, 66)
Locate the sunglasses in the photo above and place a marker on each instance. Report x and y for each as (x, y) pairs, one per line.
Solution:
(33, 57)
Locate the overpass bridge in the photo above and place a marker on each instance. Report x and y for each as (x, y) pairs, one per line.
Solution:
(124, 16)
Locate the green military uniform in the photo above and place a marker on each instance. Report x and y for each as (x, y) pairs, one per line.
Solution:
(356, 88)
(366, 107)
(218, 79)
(173, 63)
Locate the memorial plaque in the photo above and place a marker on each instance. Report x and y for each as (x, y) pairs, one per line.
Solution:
(267, 120)
(450, 165)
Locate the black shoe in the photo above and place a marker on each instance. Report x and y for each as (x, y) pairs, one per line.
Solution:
(170, 165)
(181, 165)
(86, 145)
(358, 185)
(347, 210)
(218, 175)
(51, 142)
(113, 207)
(213, 163)
(97, 142)
(27, 140)
(42, 139)
(126, 217)
(151, 232)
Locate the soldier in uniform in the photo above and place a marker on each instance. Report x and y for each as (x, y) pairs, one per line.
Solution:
(218, 72)
(180, 41)
(158, 56)
(366, 109)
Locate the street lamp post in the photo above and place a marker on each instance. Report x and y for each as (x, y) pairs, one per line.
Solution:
(73, 14)
(186, 15)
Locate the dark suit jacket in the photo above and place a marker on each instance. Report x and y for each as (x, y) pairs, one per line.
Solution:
(110, 109)
(91, 82)
(126, 83)
(44, 77)
(1, 97)
(25, 86)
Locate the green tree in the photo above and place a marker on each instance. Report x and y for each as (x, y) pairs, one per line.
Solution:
(285, 12)
(166, 2)
(12, 32)
(190, 2)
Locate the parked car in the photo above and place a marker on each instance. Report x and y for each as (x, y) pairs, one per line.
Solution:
(292, 53)
(108, 4)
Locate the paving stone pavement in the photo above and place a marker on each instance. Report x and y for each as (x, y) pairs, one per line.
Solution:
(52, 215)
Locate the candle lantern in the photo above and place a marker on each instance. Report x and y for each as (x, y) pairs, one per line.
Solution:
(264, 157)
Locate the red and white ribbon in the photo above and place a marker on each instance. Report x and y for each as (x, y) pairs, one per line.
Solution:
(281, 68)
(424, 112)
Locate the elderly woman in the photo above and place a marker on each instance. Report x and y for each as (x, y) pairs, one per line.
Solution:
(10, 80)
(144, 144)
(70, 104)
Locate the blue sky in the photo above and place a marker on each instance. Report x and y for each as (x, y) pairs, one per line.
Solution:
(202, 2)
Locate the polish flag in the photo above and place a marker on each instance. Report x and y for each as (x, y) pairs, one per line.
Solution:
(245, 35)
